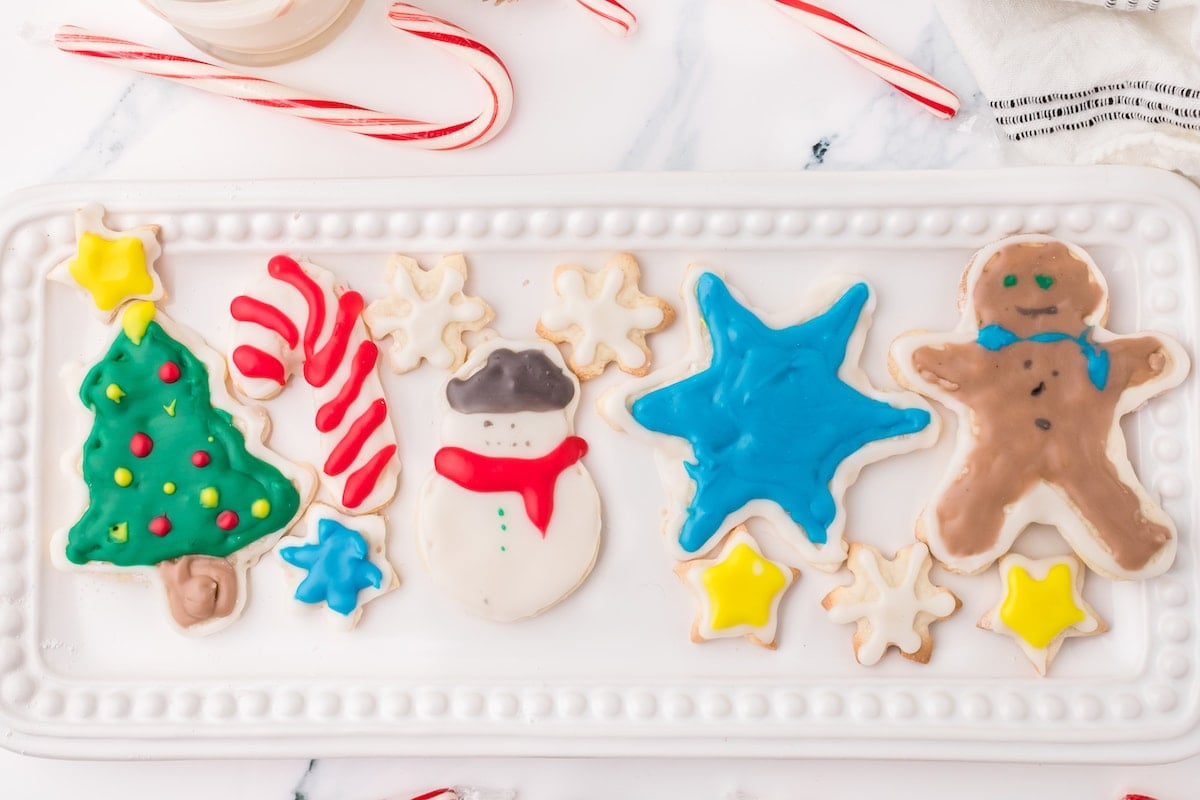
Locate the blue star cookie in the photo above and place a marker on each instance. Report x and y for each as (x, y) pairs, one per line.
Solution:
(338, 566)
(772, 418)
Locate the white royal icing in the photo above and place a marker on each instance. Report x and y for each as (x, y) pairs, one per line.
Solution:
(895, 610)
(1044, 503)
(601, 319)
(420, 324)
(510, 573)
(288, 300)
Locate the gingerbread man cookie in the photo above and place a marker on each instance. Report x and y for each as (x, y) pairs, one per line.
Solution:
(1040, 387)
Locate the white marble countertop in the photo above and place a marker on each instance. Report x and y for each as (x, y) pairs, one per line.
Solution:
(704, 85)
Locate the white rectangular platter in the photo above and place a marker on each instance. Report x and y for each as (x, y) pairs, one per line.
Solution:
(90, 667)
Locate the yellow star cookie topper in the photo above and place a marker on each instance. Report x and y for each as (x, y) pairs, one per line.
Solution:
(1042, 605)
(738, 592)
(113, 267)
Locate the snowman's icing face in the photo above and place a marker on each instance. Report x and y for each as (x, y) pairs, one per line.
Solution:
(521, 434)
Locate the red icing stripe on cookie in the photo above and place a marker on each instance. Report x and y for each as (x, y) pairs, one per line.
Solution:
(343, 455)
(254, 363)
(249, 309)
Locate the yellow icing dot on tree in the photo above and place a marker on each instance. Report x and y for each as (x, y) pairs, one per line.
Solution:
(122, 476)
(260, 508)
(136, 318)
(114, 392)
(1038, 611)
(742, 588)
(111, 270)
(168, 488)
(119, 533)
(209, 497)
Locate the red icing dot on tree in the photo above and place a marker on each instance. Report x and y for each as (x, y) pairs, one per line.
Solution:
(140, 444)
(168, 372)
(200, 458)
(227, 520)
(160, 525)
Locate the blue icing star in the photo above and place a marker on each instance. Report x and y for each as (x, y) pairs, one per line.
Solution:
(769, 418)
(338, 565)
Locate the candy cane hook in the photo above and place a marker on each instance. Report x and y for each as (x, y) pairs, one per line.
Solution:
(345, 116)
(904, 76)
(614, 17)
(296, 320)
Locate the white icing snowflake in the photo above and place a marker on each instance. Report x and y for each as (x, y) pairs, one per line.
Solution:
(426, 313)
(604, 316)
(893, 602)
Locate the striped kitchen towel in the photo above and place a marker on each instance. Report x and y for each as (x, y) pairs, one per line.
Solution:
(1086, 81)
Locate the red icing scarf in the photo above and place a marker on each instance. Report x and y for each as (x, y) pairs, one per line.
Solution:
(532, 478)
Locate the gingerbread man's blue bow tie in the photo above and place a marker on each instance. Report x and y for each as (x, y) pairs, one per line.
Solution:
(997, 337)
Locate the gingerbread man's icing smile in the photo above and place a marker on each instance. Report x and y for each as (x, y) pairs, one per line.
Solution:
(1040, 387)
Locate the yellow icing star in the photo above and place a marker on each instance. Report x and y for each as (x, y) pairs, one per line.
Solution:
(738, 591)
(741, 588)
(136, 319)
(111, 270)
(1042, 606)
(1038, 611)
(113, 267)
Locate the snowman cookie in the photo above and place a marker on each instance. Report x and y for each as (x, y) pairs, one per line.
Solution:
(1040, 387)
(509, 521)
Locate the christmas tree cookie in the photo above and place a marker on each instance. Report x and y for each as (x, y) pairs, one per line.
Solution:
(178, 478)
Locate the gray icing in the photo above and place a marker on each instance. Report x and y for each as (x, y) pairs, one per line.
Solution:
(512, 381)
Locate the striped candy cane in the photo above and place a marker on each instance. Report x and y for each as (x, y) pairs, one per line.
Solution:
(345, 116)
(904, 76)
(296, 320)
(615, 17)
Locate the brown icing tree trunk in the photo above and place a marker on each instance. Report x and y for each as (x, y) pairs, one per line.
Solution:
(199, 588)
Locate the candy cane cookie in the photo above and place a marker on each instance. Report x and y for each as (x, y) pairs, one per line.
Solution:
(297, 320)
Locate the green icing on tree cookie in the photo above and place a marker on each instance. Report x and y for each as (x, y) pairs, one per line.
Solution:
(167, 473)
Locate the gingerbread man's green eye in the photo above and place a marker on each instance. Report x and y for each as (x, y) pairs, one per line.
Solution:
(1010, 280)
(1044, 281)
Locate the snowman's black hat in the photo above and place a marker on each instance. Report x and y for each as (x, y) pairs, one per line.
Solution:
(511, 381)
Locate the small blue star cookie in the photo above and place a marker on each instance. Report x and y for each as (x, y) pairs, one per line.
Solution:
(342, 561)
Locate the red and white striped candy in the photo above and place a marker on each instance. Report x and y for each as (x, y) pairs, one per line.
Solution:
(297, 320)
(345, 116)
(615, 17)
(904, 76)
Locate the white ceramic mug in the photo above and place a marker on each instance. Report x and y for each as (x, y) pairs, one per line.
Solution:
(256, 31)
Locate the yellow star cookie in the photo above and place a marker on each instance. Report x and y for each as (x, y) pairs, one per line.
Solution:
(1042, 605)
(113, 267)
(738, 592)
(893, 602)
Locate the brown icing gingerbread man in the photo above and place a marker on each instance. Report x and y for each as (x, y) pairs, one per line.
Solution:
(1040, 387)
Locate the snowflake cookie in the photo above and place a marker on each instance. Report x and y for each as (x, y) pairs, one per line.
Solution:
(893, 602)
(738, 592)
(427, 313)
(1043, 605)
(605, 317)
(113, 267)
(340, 563)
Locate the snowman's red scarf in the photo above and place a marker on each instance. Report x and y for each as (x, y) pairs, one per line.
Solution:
(532, 478)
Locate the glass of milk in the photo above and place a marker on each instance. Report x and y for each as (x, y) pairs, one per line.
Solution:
(257, 32)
